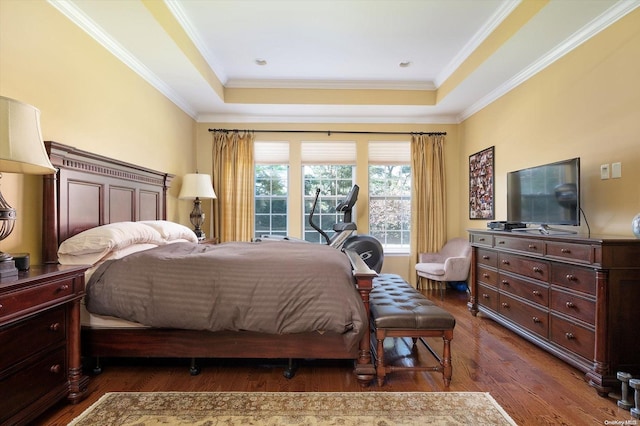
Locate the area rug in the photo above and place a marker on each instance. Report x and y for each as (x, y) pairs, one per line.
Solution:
(294, 408)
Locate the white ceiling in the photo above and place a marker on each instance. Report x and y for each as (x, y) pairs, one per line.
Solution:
(201, 54)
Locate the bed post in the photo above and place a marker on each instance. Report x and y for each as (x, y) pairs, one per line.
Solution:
(50, 215)
(364, 370)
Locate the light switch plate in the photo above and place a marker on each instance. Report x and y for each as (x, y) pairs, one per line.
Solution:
(604, 171)
(616, 170)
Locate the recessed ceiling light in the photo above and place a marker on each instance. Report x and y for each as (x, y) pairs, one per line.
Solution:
(261, 61)
(405, 64)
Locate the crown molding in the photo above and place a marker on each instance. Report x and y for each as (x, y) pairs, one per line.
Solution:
(603, 21)
(78, 17)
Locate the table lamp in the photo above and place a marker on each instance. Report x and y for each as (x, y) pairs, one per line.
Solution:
(21, 151)
(196, 186)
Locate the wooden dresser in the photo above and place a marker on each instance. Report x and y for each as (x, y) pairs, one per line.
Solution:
(40, 341)
(576, 297)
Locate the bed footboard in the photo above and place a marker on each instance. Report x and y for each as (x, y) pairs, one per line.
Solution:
(365, 370)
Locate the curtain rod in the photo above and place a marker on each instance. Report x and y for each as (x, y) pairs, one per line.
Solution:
(329, 132)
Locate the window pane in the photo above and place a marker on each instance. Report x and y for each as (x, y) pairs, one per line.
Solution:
(335, 182)
(390, 206)
(271, 183)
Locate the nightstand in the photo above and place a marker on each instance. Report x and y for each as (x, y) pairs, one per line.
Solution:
(40, 341)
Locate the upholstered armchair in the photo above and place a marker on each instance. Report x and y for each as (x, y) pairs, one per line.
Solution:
(451, 263)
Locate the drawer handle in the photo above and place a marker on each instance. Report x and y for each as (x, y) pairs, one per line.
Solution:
(480, 239)
(500, 242)
(485, 275)
(536, 293)
(570, 305)
(569, 336)
(55, 326)
(505, 305)
(485, 257)
(537, 269)
(55, 368)
(532, 246)
(571, 277)
(505, 262)
(536, 320)
(485, 295)
(64, 287)
(565, 250)
(505, 282)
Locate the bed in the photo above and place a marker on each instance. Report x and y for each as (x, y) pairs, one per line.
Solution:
(90, 191)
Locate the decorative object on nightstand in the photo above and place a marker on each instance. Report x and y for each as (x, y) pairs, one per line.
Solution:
(21, 151)
(22, 260)
(196, 187)
(635, 225)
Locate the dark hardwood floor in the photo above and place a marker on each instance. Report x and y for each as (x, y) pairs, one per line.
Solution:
(532, 386)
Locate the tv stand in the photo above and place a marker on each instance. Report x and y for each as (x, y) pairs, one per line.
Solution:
(545, 230)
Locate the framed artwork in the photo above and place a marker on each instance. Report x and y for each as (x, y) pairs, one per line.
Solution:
(481, 203)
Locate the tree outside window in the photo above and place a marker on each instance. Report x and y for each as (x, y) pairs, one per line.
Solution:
(271, 189)
(335, 182)
(390, 206)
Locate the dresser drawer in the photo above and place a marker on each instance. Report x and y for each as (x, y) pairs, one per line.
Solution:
(573, 305)
(520, 244)
(487, 276)
(536, 293)
(31, 383)
(484, 240)
(532, 318)
(575, 338)
(488, 297)
(574, 278)
(576, 252)
(31, 297)
(487, 257)
(20, 340)
(532, 268)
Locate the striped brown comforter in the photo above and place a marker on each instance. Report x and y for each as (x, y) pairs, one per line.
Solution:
(271, 287)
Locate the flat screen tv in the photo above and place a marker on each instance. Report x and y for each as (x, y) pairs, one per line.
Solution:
(545, 195)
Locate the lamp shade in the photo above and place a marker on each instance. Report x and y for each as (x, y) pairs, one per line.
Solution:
(196, 185)
(21, 147)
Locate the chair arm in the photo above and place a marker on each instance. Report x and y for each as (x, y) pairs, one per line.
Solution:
(457, 268)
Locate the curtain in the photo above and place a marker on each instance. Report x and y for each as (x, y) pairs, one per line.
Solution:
(428, 204)
(233, 181)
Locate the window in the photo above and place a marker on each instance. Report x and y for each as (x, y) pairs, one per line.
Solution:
(334, 182)
(390, 195)
(330, 167)
(271, 188)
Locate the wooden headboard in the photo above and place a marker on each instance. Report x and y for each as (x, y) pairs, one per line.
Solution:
(91, 190)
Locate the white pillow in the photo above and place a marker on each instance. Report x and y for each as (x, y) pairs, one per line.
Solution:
(172, 231)
(103, 239)
(96, 259)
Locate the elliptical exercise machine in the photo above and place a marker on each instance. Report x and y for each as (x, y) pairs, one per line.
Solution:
(368, 248)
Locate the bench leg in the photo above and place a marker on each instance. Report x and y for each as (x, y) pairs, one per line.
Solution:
(381, 371)
(447, 368)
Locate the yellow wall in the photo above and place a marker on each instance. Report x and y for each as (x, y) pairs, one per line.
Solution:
(585, 105)
(88, 99)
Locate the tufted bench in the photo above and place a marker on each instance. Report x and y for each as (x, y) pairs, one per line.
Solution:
(399, 310)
